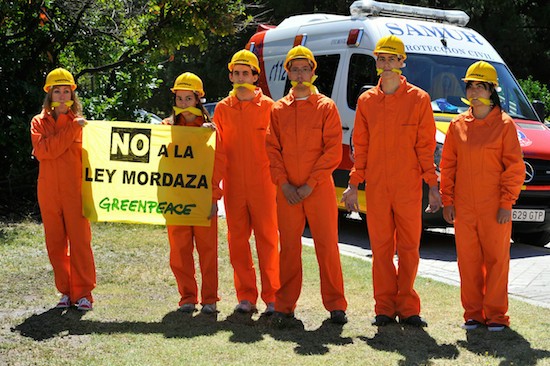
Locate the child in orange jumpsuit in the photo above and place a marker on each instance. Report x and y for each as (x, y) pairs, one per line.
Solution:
(482, 171)
(394, 139)
(304, 144)
(242, 119)
(188, 111)
(56, 136)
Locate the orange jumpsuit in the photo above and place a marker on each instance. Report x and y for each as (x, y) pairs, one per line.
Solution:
(249, 195)
(58, 147)
(181, 239)
(304, 144)
(394, 142)
(482, 170)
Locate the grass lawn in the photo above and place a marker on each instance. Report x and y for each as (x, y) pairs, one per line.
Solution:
(135, 321)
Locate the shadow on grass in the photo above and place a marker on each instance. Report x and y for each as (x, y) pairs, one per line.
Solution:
(175, 324)
(314, 342)
(415, 344)
(507, 345)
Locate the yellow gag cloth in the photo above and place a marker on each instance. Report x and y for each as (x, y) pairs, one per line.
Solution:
(312, 87)
(147, 174)
(68, 103)
(193, 110)
(485, 101)
(380, 71)
(245, 85)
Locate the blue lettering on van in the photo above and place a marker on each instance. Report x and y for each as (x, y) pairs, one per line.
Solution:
(433, 31)
(419, 48)
(277, 72)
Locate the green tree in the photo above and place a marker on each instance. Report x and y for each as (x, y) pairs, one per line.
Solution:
(113, 48)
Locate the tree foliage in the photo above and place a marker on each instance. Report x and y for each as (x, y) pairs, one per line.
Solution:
(114, 48)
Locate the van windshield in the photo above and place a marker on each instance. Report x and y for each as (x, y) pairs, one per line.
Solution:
(441, 77)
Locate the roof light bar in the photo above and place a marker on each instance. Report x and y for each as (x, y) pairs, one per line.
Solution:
(363, 8)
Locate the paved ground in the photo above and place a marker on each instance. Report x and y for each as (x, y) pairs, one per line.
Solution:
(529, 278)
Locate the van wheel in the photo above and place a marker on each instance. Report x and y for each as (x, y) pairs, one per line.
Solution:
(539, 238)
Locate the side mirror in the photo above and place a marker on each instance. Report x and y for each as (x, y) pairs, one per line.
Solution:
(540, 109)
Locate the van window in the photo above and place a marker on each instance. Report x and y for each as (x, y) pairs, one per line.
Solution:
(327, 65)
(362, 72)
(441, 77)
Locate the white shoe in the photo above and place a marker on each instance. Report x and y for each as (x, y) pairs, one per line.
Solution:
(187, 308)
(245, 306)
(495, 327)
(209, 308)
(84, 304)
(64, 302)
(471, 324)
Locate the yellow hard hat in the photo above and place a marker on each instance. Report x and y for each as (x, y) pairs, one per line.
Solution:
(59, 76)
(390, 44)
(481, 71)
(188, 81)
(244, 57)
(300, 52)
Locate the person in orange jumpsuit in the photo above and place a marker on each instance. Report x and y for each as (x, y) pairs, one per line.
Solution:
(304, 144)
(56, 135)
(482, 172)
(394, 140)
(242, 119)
(188, 111)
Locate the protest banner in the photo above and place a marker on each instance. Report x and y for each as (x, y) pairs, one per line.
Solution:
(149, 174)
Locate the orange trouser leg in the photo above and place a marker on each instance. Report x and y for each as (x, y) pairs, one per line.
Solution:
(470, 264)
(483, 249)
(182, 262)
(239, 230)
(82, 273)
(68, 241)
(206, 238)
(382, 241)
(292, 221)
(408, 229)
(322, 216)
(495, 239)
(57, 245)
(266, 234)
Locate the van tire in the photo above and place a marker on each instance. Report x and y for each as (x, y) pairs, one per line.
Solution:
(539, 238)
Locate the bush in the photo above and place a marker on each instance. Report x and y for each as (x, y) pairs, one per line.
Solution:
(535, 90)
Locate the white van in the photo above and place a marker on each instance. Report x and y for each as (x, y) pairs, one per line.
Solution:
(439, 49)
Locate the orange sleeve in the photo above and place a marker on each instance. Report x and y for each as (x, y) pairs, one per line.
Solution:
(448, 167)
(219, 169)
(52, 146)
(425, 142)
(514, 168)
(332, 144)
(279, 175)
(360, 145)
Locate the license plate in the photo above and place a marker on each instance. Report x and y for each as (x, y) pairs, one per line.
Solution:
(527, 215)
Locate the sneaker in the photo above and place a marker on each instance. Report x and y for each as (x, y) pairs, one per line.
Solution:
(245, 307)
(495, 327)
(415, 321)
(471, 324)
(84, 304)
(382, 320)
(209, 309)
(64, 302)
(187, 308)
(270, 309)
(338, 317)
